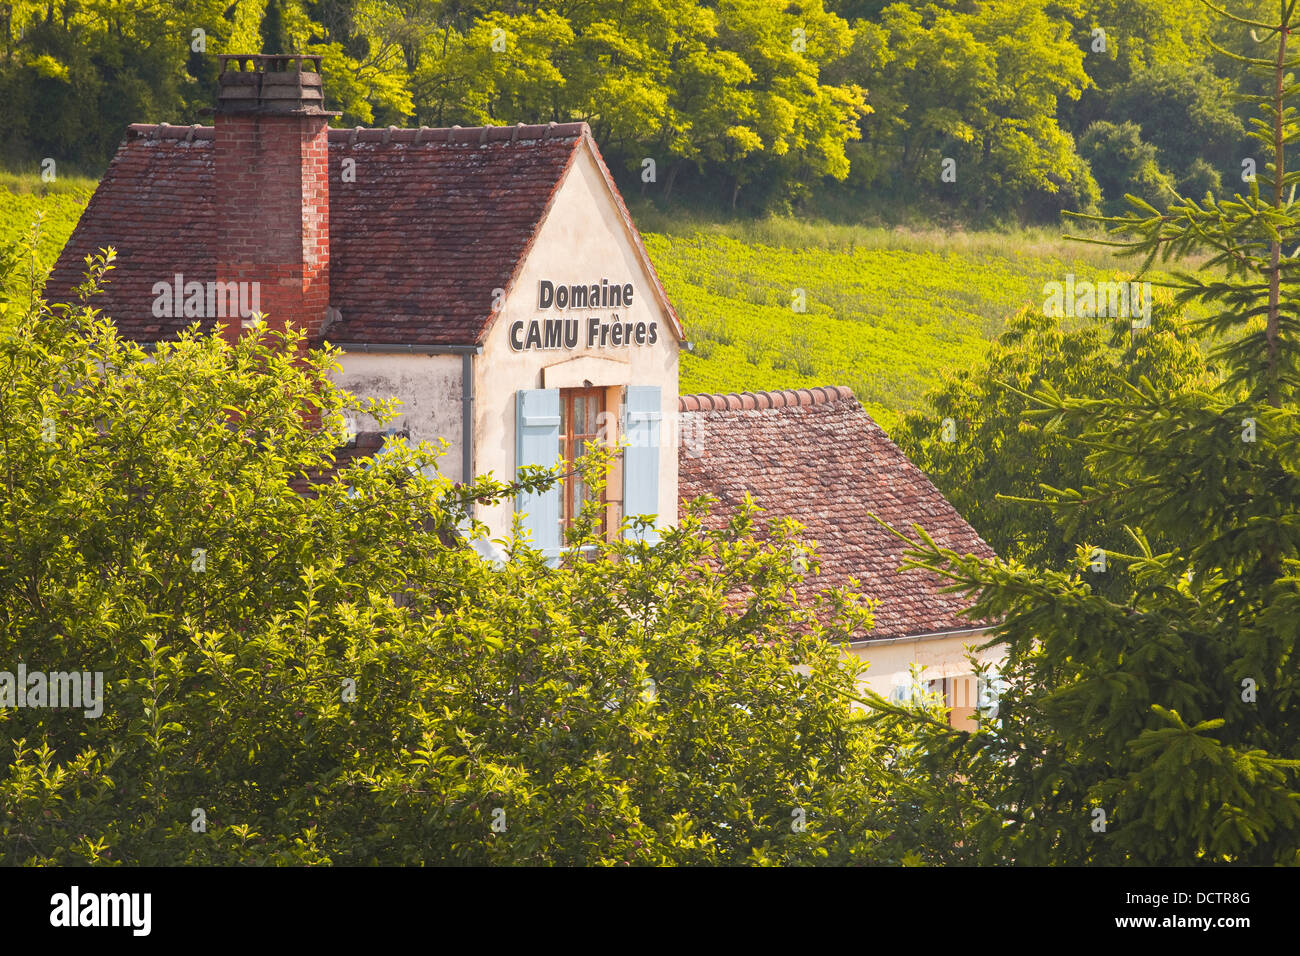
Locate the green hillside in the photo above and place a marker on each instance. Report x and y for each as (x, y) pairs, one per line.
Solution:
(60, 203)
(887, 312)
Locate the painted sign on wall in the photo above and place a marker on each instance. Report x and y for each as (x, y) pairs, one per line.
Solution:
(567, 332)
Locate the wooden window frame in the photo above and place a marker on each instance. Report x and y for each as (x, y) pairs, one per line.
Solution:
(568, 436)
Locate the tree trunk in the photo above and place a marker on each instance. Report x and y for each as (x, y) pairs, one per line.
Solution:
(673, 170)
(1279, 177)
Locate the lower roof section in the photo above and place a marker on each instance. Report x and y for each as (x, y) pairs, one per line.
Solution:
(816, 456)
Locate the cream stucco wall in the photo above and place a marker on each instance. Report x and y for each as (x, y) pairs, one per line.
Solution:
(943, 656)
(429, 387)
(582, 240)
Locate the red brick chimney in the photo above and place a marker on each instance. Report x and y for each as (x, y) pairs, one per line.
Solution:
(272, 188)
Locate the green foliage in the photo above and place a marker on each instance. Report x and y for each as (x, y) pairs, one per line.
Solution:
(728, 91)
(620, 708)
(1144, 34)
(1161, 726)
(1186, 113)
(75, 75)
(946, 92)
(274, 35)
(1124, 164)
(1201, 179)
(1000, 460)
(752, 105)
(735, 92)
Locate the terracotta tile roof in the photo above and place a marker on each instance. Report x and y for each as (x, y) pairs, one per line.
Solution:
(816, 456)
(154, 205)
(435, 221)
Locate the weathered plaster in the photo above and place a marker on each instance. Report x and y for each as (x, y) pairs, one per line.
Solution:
(429, 387)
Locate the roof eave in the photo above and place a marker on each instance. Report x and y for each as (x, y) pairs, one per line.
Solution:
(922, 636)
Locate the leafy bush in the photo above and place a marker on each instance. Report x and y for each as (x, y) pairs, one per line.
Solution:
(1123, 164)
(335, 677)
(1201, 179)
(1186, 112)
(999, 461)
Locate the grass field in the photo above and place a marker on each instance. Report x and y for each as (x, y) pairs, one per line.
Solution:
(887, 312)
(59, 204)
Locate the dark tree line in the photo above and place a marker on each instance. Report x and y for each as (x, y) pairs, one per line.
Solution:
(995, 108)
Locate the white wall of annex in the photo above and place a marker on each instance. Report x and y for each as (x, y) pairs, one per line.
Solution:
(943, 656)
(429, 387)
(890, 662)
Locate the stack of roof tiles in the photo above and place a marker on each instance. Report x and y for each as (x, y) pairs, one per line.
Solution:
(816, 456)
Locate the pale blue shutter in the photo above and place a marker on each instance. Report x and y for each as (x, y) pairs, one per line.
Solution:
(641, 457)
(537, 442)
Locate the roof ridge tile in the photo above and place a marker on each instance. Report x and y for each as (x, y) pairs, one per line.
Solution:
(419, 136)
(763, 400)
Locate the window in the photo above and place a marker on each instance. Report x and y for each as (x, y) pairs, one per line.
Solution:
(963, 695)
(564, 423)
(581, 417)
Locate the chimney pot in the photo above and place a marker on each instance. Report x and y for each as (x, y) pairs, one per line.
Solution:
(271, 83)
